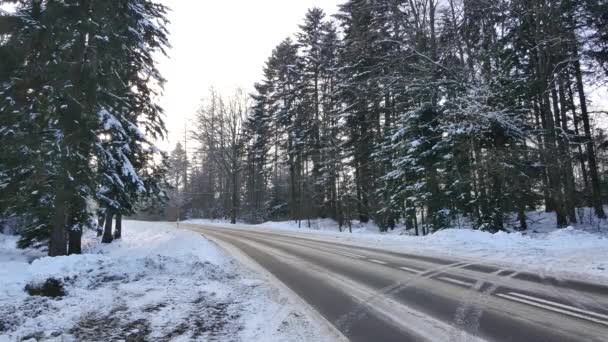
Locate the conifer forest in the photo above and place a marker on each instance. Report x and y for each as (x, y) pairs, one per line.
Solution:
(424, 113)
(304, 170)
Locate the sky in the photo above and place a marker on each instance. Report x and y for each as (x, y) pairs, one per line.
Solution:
(224, 44)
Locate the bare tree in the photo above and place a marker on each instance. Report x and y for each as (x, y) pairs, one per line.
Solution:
(219, 134)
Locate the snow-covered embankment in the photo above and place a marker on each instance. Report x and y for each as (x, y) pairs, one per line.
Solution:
(157, 283)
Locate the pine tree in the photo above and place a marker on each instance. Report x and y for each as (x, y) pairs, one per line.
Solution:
(80, 108)
(357, 92)
(257, 138)
(432, 113)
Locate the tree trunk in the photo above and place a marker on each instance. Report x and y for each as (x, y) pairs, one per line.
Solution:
(57, 242)
(118, 227)
(552, 164)
(235, 196)
(75, 241)
(540, 126)
(596, 196)
(544, 66)
(100, 223)
(292, 184)
(107, 232)
(415, 219)
(569, 186)
(364, 181)
(580, 148)
(422, 221)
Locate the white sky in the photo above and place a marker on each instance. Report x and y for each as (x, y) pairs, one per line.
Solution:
(224, 44)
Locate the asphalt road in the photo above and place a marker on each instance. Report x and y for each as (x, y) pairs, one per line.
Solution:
(375, 295)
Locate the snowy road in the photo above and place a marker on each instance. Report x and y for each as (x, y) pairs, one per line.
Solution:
(375, 295)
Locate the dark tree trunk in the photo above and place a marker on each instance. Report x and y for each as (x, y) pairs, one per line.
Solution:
(118, 227)
(74, 226)
(235, 195)
(75, 241)
(422, 221)
(596, 196)
(293, 195)
(521, 217)
(57, 242)
(107, 231)
(540, 125)
(544, 66)
(581, 155)
(569, 186)
(415, 219)
(100, 224)
(553, 171)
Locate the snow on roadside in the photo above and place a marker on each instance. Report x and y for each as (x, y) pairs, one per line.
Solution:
(328, 225)
(317, 226)
(579, 252)
(157, 283)
(568, 252)
(207, 221)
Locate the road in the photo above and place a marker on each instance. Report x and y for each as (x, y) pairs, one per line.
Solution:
(371, 294)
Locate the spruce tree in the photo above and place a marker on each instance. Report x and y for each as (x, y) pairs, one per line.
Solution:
(74, 114)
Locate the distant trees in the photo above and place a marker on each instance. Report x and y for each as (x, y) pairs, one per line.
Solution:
(219, 132)
(177, 175)
(428, 112)
(78, 117)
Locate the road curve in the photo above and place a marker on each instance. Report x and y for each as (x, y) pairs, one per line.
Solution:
(375, 295)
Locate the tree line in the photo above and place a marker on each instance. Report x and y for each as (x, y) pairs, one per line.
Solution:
(424, 112)
(78, 118)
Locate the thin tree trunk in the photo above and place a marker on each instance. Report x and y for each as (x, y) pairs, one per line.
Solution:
(540, 125)
(235, 195)
(415, 218)
(118, 227)
(596, 196)
(292, 183)
(553, 170)
(100, 223)
(423, 221)
(580, 148)
(75, 241)
(107, 232)
(569, 185)
(57, 242)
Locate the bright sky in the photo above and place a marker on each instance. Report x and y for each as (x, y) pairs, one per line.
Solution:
(224, 44)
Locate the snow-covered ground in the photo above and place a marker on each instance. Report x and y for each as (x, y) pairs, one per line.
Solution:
(157, 283)
(579, 251)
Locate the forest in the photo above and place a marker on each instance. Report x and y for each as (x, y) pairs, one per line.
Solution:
(424, 113)
(417, 112)
(390, 170)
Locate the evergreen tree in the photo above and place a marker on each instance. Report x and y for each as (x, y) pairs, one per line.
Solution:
(75, 103)
(435, 111)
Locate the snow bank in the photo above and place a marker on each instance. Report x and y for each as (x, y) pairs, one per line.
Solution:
(329, 225)
(206, 221)
(569, 251)
(157, 283)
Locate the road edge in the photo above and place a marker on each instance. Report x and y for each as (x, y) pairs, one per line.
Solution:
(564, 275)
(327, 327)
